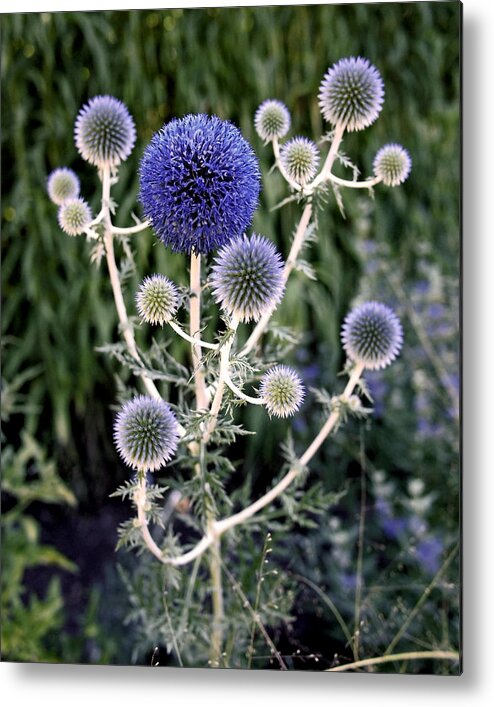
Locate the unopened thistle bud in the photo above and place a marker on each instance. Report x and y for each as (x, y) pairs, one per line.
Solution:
(247, 277)
(62, 184)
(282, 391)
(271, 120)
(300, 158)
(157, 299)
(392, 164)
(146, 433)
(104, 132)
(74, 216)
(372, 335)
(351, 94)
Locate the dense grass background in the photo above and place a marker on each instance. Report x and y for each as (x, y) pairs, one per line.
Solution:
(57, 309)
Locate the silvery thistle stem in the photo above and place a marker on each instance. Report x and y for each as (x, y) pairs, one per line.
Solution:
(217, 528)
(299, 234)
(125, 325)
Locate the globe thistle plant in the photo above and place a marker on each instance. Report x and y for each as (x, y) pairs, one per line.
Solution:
(146, 433)
(104, 132)
(282, 391)
(199, 183)
(62, 184)
(392, 164)
(300, 159)
(351, 94)
(272, 120)
(157, 299)
(74, 216)
(247, 277)
(372, 335)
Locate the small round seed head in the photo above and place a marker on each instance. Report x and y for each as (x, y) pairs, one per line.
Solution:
(146, 433)
(392, 164)
(351, 94)
(62, 184)
(199, 183)
(300, 158)
(104, 132)
(372, 334)
(73, 216)
(282, 391)
(272, 119)
(157, 299)
(247, 277)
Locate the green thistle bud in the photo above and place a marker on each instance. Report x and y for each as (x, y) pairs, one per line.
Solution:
(157, 299)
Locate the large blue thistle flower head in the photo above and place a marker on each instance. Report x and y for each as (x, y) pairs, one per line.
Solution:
(104, 132)
(351, 94)
(199, 183)
(146, 433)
(372, 335)
(74, 216)
(282, 391)
(62, 184)
(272, 120)
(392, 164)
(247, 277)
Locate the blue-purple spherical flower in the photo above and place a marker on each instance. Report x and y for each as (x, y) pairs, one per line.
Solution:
(247, 277)
(157, 299)
(104, 132)
(146, 433)
(372, 335)
(282, 391)
(300, 158)
(62, 184)
(74, 216)
(199, 183)
(351, 94)
(392, 164)
(272, 120)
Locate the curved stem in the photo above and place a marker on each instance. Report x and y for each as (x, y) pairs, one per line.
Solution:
(411, 655)
(125, 325)
(191, 339)
(131, 229)
(298, 239)
(297, 242)
(353, 184)
(235, 389)
(217, 528)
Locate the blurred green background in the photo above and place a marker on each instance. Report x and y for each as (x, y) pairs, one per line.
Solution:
(57, 308)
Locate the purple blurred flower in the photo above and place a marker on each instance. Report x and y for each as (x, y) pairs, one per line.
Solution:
(428, 554)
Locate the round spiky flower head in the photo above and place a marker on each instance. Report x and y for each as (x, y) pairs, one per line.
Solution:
(372, 335)
(62, 184)
(392, 164)
(199, 183)
(73, 216)
(146, 433)
(272, 119)
(157, 299)
(104, 132)
(351, 94)
(282, 391)
(300, 158)
(247, 277)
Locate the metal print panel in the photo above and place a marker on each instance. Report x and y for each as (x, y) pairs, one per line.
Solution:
(231, 390)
